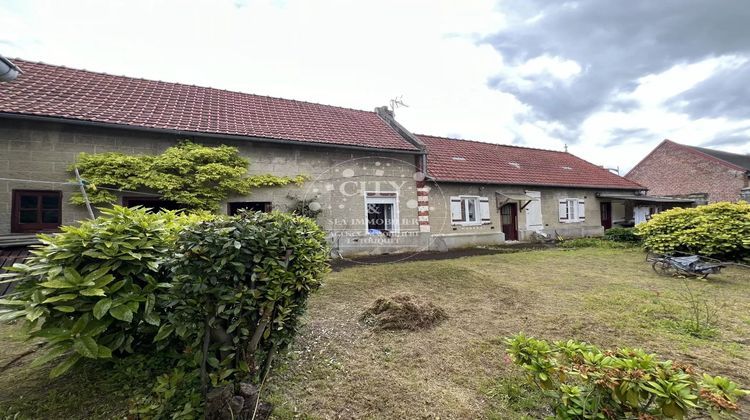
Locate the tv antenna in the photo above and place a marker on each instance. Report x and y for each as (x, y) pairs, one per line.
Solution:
(615, 170)
(397, 102)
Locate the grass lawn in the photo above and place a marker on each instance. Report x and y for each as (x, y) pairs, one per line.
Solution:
(340, 368)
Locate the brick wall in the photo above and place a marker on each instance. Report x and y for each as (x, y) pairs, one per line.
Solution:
(673, 169)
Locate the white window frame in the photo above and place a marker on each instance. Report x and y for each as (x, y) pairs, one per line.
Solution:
(382, 197)
(465, 210)
(573, 210)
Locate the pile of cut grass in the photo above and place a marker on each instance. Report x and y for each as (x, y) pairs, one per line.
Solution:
(403, 312)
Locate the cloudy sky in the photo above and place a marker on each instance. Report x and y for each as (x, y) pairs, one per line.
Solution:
(610, 79)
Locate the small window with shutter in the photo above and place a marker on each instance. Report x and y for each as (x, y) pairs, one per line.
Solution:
(572, 210)
(470, 210)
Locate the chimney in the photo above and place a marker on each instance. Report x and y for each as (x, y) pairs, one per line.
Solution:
(8, 70)
(384, 112)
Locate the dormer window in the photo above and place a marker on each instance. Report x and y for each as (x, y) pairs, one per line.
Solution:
(515, 165)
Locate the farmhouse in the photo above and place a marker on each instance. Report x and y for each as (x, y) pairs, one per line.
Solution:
(674, 169)
(379, 187)
(514, 192)
(51, 114)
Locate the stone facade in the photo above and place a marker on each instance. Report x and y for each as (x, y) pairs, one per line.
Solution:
(344, 182)
(339, 178)
(440, 214)
(674, 170)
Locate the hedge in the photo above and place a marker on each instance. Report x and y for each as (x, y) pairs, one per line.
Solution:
(720, 230)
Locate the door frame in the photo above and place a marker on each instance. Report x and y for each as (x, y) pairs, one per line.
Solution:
(608, 206)
(513, 236)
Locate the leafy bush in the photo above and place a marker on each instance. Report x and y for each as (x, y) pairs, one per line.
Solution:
(174, 395)
(240, 286)
(227, 293)
(587, 383)
(621, 234)
(93, 288)
(305, 207)
(720, 230)
(192, 175)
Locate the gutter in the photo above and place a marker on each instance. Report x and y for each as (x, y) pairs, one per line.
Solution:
(198, 134)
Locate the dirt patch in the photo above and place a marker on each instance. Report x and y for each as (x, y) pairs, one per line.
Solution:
(403, 312)
(340, 264)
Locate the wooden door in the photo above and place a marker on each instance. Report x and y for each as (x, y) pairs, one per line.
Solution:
(606, 211)
(534, 221)
(508, 221)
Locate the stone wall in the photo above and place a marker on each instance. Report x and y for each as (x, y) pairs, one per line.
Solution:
(440, 222)
(339, 177)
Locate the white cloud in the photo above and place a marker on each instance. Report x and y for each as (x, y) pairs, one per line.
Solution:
(354, 54)
(347, 53)
(655, 89)
(654, 118)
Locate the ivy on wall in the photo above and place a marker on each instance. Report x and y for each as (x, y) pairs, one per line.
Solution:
(192, 175)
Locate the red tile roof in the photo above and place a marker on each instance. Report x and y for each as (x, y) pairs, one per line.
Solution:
(61, 92)
(473, 161)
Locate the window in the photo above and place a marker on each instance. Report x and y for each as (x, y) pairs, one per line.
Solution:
(36, 211)
(470, 210)
(261, 206)
(572, 210)
(152, 203)
(382, 213)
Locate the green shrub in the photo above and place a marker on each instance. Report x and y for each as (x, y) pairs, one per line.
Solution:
(192, 175)
(621, 234)
(720, 230)
(592, 243)
(174, 395)
(94, 287)
(585, 382)
(305, 207)
(240, 286)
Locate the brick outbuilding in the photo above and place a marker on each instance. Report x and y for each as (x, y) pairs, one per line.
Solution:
(674, 169)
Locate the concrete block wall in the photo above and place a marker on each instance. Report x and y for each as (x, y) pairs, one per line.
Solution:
(43, 152)
(671, 169)
(440, 222)
(440, 214)
(338, 178)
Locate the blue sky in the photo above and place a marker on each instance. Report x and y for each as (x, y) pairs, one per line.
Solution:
(610, 81)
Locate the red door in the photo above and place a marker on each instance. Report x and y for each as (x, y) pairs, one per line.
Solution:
(606, 210)
(508, 216)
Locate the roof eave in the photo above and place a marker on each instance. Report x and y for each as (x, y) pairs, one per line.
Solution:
(487, 182)
(89, 123)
